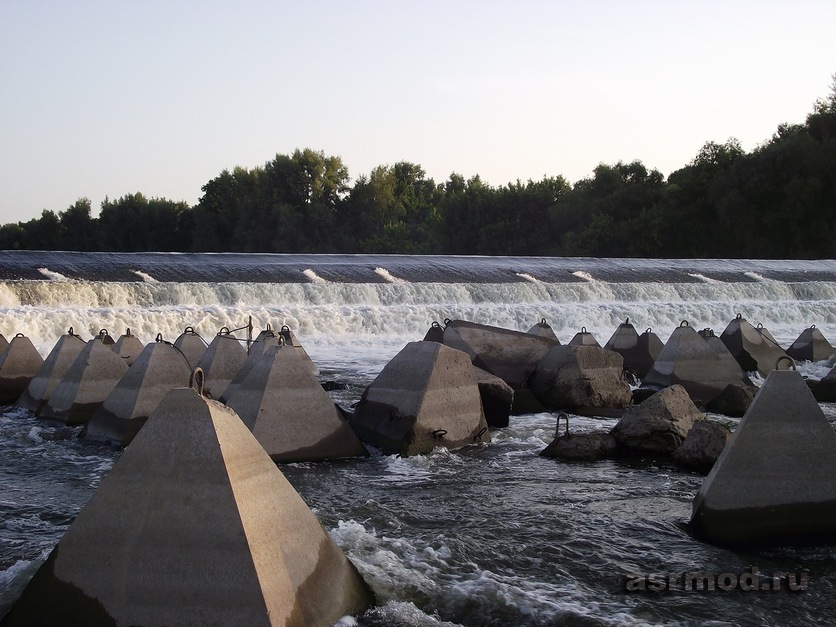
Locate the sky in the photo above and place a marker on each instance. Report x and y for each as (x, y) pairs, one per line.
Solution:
(104, 99)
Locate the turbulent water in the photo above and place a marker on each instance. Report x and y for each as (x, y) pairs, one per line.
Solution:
(488, 535)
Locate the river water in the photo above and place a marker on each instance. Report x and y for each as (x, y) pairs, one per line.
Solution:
(487, 535)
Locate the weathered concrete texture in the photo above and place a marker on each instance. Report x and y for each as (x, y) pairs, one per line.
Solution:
(571, 377)
(52, 370)
(105, 338)
(128, 347)
(19, 363)
(291, 340)
(426, 396)
(773, 484)
(658, 424)
(584, 338)
(159, 368)
(544, 329)
(703, 445)
(497, 398)
(811, 345)
(194, 525)
(717, 345)
(511, 355)
(4, 343)
(257, 350)
(220, 363)
(638, 351)
(289, 413)
(92, 376)
(689, 361)
(754, 349)
(191, 345)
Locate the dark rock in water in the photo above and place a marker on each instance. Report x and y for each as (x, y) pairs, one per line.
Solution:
(330, 386)
(525, 402)
(811, 345)
(734, 400)
(497, 398)
(643, 393)
(703, 445)
(426, 396)
(753, 348)
(510, 355)
(581, 376)
(659, 424)
(825, 390)
(581, 447)
(773, 484)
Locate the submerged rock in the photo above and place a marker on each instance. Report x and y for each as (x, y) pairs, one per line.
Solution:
(660, 423)
(703, 445)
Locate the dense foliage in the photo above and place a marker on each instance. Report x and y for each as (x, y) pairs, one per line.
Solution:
(779, 201)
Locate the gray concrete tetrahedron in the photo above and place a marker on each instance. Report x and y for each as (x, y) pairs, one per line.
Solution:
(426, 396)
(774, 482)
(544, 329)
(221, 362)
(811, 345)
(194, 525)
(753, 348)
(19, 363)
(689, 361)
(92, 376)
(191, 345)
(128, 347)
(510, 355)
(638, 351)
(158, 368)
(289, 413)
(584, 338)
(52, 370)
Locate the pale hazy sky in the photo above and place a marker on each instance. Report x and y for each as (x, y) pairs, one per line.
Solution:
(115, 97)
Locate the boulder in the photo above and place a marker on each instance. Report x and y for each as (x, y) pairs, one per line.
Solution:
(128, 347)
(825, 390)
(88, 382)
(703, 445)
(52, 370)
(584, 338)
(19, 363)
(773, 484)
(426, 396)
(580, 446)
(191, 345)
(659, 424)
(158, 368)
(497, 398)
(753, 348)
(510, 355)
(193, 525)
(811, 345)
(688, 360)
(572, 377)
(734, 400)
(220, 362)
(288, 411)
(638, 351)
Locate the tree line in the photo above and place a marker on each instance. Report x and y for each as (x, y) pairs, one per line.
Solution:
(777, 201)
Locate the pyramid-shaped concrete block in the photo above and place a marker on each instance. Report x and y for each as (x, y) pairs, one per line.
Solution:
(290, 339)
(811, 345)
(510, 355)
(4, 343)
(689, 361)
(128, 347)
(544, 329)
(584, 338)
(289, 413)
(774, 482)
(638, 351)
(49, 375)
(221, 362)
(426, 396)
(194, 525)
(92, 376)
(754, 348)
(158, 368)
(19, 363)
(191, 345)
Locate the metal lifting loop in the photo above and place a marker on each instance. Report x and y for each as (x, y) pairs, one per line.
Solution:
(543, 322)
(435, 325)
(739, 316)
(439, 433)
(196, 380)
(224, 331)
(583, 329)
(447, 322)
(70, 332)
(565, 416)
(684, 323)
(189, 330)
(159, 337)
(782, 358)
(648, 330)
(478, 436)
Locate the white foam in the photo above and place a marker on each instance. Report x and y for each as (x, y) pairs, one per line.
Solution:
(313, 276)
(387, 276)
(145, 277)
(53, 276)
(527, 277)
(584, 275)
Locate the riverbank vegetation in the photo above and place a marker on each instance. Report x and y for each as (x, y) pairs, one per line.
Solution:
(777, 201)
